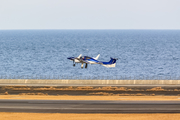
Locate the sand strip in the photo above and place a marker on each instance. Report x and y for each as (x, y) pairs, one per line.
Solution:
(64, 97)
(57, 116)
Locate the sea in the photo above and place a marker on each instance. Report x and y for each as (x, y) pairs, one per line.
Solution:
(142, 54)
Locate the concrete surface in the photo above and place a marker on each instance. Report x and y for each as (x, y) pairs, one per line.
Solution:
(90, 82)
(89, 106)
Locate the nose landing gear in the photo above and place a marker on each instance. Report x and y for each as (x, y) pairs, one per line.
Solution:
(73, 63)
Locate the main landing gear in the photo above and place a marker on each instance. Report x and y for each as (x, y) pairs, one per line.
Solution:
(82, 65)
(85, 65)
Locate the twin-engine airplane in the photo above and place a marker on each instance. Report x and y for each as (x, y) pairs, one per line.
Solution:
(89, 60)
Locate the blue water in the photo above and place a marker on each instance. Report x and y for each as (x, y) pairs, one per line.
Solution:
(44, 52)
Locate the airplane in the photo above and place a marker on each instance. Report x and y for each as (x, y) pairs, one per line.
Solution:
(89, 60)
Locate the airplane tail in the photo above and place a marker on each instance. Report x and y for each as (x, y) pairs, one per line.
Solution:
(111, 63)
(97, 57)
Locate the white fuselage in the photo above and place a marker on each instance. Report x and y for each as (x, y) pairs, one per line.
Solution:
(77, 61)
(111, 65)
(90, 62)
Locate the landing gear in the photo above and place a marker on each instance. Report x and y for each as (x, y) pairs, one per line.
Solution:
(73, 63)
(82, 65)
(86, 65)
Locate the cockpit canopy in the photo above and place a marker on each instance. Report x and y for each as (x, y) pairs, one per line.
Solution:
(85, 57)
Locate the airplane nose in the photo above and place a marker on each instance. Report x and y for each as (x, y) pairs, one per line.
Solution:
(70, 58)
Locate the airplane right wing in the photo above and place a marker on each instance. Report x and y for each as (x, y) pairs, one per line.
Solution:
(97, 57)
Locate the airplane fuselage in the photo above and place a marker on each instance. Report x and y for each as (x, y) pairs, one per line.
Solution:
(89, 60)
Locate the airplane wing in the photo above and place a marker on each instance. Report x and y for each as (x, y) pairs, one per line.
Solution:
(79, 56)
(97, 57)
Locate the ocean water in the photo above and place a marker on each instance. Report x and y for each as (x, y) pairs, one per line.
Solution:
(44, 52)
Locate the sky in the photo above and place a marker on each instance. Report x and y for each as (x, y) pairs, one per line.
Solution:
(89, 14)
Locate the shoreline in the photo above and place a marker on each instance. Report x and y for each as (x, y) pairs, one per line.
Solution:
(87, 82)
(91, 90)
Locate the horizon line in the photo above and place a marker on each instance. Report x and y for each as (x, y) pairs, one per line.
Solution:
(89, 29)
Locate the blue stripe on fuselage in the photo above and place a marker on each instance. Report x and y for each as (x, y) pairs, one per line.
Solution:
(91, 59)
(112, 61)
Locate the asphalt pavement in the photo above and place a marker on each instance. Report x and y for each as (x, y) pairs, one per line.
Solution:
(89, 106)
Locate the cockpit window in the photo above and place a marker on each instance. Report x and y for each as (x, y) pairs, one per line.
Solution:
(82, 57)
(88, 58)
(85, 57)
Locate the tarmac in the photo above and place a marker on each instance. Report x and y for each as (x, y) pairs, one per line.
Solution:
(89, 106)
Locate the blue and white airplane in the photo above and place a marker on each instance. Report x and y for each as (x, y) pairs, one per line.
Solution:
(89, 60)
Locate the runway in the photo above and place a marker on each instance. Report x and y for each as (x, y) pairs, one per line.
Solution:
(91, 106)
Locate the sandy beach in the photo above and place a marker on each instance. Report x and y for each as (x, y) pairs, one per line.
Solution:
(67, 97)
(58, 116)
